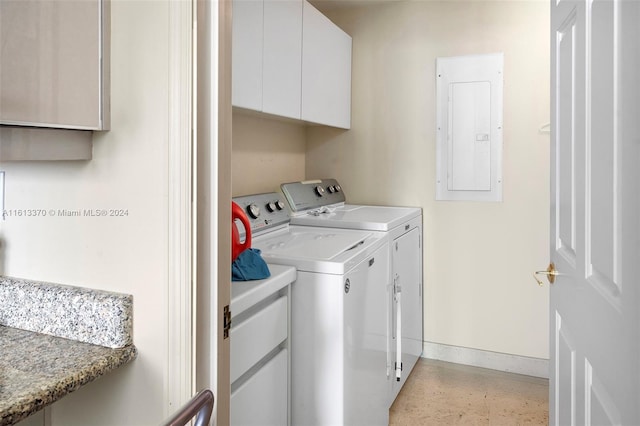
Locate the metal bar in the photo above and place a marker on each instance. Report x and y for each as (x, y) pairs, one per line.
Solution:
(200, 406)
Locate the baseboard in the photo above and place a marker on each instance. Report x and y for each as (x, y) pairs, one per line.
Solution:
(536, 367)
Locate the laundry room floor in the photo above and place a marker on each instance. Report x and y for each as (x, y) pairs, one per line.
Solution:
(442, 393)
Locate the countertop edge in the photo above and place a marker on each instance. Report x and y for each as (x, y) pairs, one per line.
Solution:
(245, 294)
(28, 405)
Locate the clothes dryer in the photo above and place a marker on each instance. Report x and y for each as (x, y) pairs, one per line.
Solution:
(338, 323)
(321, 203)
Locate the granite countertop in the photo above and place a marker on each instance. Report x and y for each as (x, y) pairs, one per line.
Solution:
(38, 369)
(55, 338)
(88, 315)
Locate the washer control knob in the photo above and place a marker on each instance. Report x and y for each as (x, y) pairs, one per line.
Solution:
(279, 205)
(319, 191)
(331, 189)
(337, 188)
(254, 211)
(271, 207)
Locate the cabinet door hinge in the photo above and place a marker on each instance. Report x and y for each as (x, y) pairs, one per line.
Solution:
(226, 322)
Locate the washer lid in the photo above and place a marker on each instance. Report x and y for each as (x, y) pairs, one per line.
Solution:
(323, 250)
(320, 244)
(350, 216)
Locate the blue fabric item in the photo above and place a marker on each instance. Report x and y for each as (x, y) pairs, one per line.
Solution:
(249, 265)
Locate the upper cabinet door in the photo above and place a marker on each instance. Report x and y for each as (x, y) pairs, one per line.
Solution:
(247, 54)
(291, 61)
(54, 62)
(326, 70)
(282, 58)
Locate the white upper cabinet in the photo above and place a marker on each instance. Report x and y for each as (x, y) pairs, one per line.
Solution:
(54, 63)
(247, 54)
(291, 61)
(267, 56)
(326, 71)
(282, 58)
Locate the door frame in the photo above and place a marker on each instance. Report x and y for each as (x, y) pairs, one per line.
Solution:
(179, 386)
(212, 198)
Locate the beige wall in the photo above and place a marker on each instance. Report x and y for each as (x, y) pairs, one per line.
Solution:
(478, 257)
(123, 254)
(266, 153)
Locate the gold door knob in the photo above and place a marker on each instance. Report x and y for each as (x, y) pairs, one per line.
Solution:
(551, 274)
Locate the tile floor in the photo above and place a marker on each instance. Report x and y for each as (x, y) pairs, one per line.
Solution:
(441, 393)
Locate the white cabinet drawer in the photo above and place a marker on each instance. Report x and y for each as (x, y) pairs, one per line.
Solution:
(256, 336)
(263, 400)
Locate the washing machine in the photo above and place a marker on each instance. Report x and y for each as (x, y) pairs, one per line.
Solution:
(338, 323)
(322, 203)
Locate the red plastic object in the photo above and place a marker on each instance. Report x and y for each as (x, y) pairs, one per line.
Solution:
(238, 247)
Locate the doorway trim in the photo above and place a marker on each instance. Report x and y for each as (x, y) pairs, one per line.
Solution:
(180, 386)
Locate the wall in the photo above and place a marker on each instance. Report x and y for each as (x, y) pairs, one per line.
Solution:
(266, 152)
(478, 257)
(122, 254)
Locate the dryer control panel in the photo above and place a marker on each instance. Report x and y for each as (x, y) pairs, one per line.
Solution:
(312, 194)
(265, 211)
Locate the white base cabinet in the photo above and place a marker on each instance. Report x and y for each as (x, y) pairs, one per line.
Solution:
(260, 354)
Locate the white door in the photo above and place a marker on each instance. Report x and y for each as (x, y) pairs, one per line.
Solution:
(595, 303)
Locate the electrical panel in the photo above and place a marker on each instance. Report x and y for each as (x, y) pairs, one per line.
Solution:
(469, 127)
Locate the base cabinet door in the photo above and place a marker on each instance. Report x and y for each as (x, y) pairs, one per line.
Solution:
(259, 365)
(262, 400)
